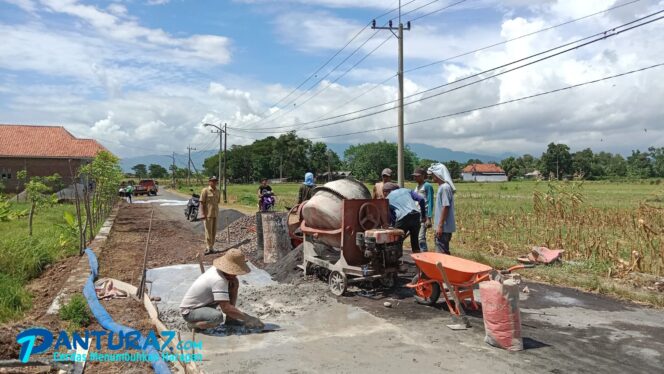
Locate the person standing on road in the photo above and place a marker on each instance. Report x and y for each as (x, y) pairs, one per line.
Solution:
(403, 211)
(214, 294)
(444, 216)
(128, 192)
(386, 176)
(210, 197)
(425, 190)
(307, 188)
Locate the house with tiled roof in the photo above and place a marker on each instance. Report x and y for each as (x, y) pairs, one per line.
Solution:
(483, 173)
(41, 151)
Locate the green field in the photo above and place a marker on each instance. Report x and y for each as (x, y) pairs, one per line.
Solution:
(609, 230)
(23, 258)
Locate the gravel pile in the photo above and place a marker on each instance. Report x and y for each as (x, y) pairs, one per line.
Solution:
(240, 230)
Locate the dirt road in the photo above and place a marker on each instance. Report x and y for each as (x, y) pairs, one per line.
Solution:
(564, 330)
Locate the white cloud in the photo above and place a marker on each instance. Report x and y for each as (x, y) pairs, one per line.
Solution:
(153, 101)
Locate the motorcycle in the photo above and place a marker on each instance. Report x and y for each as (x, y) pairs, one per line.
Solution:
(267, 201)
(191, 209)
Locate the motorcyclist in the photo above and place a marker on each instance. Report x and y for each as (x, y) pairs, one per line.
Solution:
(263, 188)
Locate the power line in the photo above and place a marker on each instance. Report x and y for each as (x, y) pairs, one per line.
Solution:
(438, 10)
(598, 37)
(335, 80)
(314, 74)
(521, 36)
(338, 65)
(499, 103)
(320, 119)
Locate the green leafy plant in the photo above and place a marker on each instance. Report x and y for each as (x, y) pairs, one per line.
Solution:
(76, 312)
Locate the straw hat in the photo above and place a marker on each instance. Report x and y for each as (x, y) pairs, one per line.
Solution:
(233, 262)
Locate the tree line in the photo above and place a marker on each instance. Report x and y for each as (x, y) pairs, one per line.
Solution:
(290, 156)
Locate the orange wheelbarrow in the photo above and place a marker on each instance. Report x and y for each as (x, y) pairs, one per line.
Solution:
(462, 274)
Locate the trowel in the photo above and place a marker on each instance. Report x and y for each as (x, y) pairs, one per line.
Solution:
(461, 321)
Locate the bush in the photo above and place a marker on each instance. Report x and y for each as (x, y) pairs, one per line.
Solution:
(76, 312)
(14, 299)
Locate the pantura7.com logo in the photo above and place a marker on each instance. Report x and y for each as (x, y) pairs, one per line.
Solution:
(39, 340)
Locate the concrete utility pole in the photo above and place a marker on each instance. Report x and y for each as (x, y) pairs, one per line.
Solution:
(189, 165)
(224, 175)
(400, 117)
(221, 147)
(173, 169)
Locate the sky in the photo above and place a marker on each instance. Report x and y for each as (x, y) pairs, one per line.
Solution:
(143, 76)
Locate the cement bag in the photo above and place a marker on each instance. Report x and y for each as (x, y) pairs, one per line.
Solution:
(502, 318)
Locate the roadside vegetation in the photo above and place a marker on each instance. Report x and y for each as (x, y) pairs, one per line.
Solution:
(40, 231)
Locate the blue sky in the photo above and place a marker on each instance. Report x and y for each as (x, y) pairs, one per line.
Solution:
(142, 76)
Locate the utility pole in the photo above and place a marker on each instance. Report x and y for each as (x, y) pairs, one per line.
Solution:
(400, 116)
(224, 175)
(173, 169)
(189, 166)
(221, 147)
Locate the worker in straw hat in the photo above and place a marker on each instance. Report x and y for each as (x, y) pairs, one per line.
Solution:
(214, 294)
(210, 196)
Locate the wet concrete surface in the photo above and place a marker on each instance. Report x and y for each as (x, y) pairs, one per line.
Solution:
(564, 331)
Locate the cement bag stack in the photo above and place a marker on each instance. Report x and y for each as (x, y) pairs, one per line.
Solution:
(502, 318)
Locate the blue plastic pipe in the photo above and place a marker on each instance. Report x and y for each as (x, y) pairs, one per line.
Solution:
(106, 321)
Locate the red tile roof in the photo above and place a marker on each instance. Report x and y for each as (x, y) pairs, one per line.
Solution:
(483, 168)
(45, 141)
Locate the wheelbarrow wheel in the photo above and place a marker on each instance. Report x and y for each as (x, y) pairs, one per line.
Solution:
(338, 283)
(426, 294)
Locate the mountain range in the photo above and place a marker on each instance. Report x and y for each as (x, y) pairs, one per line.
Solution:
(422, 151)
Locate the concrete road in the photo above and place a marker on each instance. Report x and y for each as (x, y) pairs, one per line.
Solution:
(564, 331)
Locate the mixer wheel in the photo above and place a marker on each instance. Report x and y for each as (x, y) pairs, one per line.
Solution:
(338, 283)
(426, 294)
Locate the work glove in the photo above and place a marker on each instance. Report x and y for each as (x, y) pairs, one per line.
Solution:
(253, 323)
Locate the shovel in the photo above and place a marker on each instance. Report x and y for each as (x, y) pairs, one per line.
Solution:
(461, 321)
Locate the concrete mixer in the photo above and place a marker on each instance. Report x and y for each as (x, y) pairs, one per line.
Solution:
(347, 233)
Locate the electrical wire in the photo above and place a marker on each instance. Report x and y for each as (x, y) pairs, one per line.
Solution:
(468, 111)
(598, 37)
(323, 118)
(268, 114)
(438, 10)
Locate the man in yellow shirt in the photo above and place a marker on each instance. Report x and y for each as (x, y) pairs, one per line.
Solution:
(209, 210)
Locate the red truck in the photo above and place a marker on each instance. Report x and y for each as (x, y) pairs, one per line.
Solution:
(147, 187)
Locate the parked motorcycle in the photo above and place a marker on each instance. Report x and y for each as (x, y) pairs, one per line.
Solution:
(191, 209)
(267, 201)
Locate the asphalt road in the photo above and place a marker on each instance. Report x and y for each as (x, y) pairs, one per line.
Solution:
(564, 331)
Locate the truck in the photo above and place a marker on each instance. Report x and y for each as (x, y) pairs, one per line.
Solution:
(147, 187)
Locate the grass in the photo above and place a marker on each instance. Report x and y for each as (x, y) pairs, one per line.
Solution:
(608, 229)
(23, 258)
(76, 312)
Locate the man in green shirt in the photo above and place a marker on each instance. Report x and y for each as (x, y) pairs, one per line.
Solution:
(425, 190)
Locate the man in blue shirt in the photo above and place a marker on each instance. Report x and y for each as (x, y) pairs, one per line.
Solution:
(444, 218)
(425, 190)
(403, 211)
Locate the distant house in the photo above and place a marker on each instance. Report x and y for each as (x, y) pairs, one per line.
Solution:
(42, 151)
(483, 173)
(535, 174)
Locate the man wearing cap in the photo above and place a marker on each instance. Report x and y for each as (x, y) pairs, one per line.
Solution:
(386, 176)
(214, 294)
(425, 190)
(209, 210)
(403, 211)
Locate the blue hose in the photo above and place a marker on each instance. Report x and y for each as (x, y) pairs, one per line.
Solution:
(106, 321)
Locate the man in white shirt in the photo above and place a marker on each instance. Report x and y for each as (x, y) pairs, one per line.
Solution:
(214, 294)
